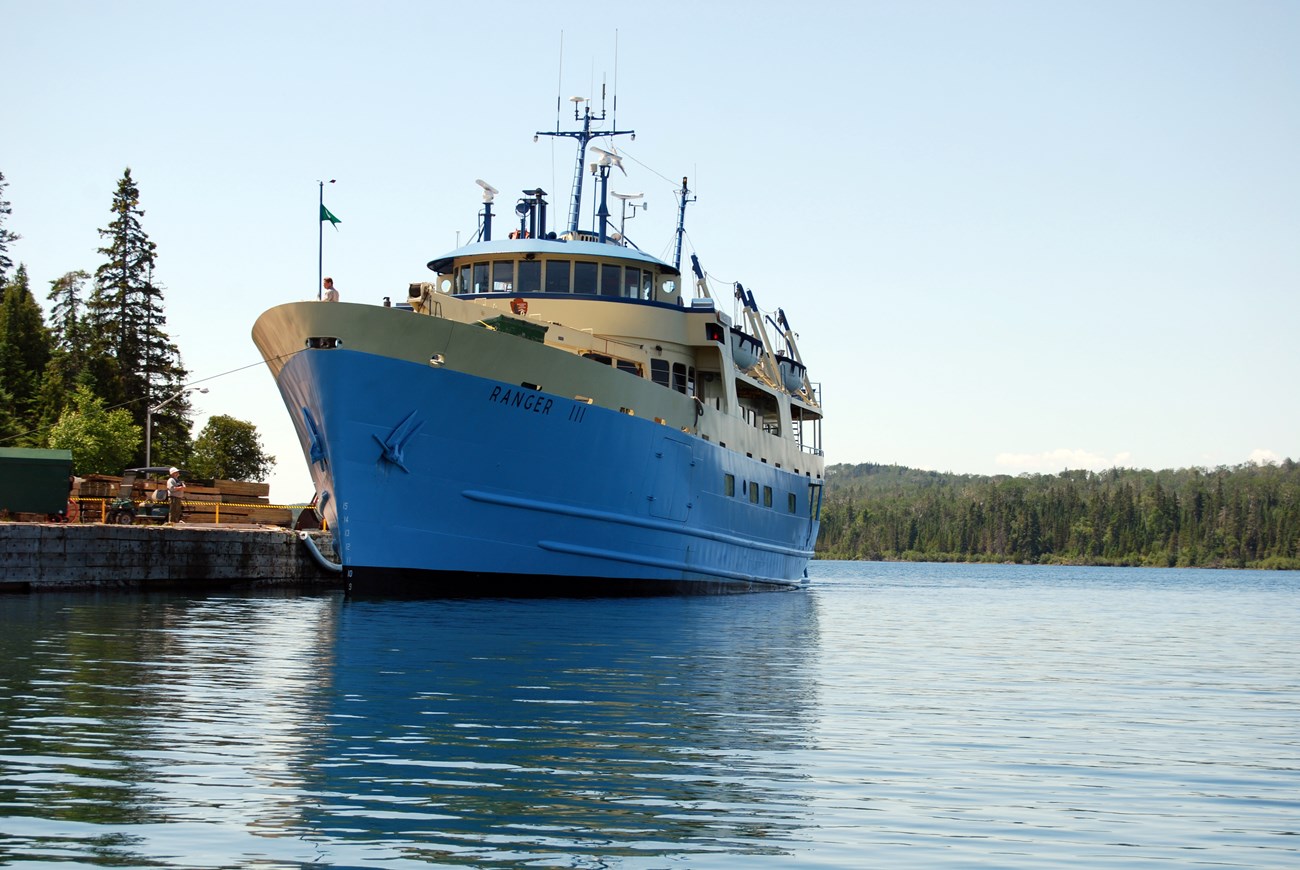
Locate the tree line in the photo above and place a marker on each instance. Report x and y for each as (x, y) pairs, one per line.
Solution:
(84, 375)
(1244, 516)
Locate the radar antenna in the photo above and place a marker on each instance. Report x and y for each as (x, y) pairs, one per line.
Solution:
(489, 193)
(582, 112)
(624, 197)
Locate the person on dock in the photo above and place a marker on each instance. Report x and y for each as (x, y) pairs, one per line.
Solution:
(175, 491)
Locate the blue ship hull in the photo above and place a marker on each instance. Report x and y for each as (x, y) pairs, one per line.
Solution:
(436, 481)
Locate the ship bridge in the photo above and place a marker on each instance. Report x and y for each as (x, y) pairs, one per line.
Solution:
(522, 267)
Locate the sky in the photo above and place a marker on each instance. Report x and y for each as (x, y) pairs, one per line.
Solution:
(1011, 236)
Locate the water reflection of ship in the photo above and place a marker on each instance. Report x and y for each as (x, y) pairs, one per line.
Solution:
(504, 730)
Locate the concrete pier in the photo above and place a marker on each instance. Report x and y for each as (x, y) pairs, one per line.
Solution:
(61, 557)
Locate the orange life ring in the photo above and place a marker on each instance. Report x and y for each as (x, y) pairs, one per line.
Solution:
(519, 306)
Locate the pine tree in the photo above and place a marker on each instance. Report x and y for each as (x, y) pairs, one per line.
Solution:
(10, 428)
(7, 237)
(24, 353)
(133, 362)
(68, 365)
(67, 313)
(165, 376)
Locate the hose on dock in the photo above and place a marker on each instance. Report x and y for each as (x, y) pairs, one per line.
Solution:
(325, 563)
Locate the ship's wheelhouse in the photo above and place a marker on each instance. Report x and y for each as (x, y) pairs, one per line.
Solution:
(557, 268)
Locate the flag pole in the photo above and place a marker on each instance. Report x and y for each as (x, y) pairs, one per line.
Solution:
(320, 242)
(320, 238)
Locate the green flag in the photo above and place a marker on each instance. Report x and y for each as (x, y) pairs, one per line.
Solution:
(327, 215)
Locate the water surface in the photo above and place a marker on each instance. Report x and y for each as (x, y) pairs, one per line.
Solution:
(891, 715)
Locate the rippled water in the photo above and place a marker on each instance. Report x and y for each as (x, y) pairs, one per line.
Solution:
(890, 716)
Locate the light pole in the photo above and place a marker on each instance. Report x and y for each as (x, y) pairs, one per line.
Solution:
(148, 420)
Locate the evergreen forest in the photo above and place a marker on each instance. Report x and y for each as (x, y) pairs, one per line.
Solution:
(1244, 516)
(93, 370)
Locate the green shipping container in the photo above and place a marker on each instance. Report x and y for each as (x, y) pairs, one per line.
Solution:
(34, 481)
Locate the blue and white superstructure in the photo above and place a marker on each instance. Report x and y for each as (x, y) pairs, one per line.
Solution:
(555, 412)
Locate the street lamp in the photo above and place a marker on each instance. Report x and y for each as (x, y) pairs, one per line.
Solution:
(148, 420)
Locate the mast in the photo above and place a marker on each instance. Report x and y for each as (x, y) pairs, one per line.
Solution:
(681, 223)
(583, 136)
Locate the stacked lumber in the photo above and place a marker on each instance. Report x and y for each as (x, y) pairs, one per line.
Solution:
(242, 490)
(224, 501)
(100, 486)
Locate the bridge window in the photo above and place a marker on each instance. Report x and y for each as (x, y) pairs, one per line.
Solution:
(609, 279)
(585, 277)
(503, 276)
(480, 277)
(530, 276)
(557, 276)
(631, 283)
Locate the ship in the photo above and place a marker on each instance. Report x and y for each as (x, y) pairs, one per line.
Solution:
(555, 411)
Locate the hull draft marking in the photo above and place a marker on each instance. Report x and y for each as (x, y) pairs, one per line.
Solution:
(394, 446)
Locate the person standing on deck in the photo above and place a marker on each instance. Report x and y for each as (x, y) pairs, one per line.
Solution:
(175, 490)
(331, 295)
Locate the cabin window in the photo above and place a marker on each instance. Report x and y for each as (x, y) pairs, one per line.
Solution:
(659, 372)
(503, 276)
(626, 365)
(631, 283)
(598, 357)
(767, 496)
(584, 278)
(729, 485)
(480, 277)
(753, 492)
(609, 277)
(790, 502)
(679, 377)
(529, 276)
(557, 276)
